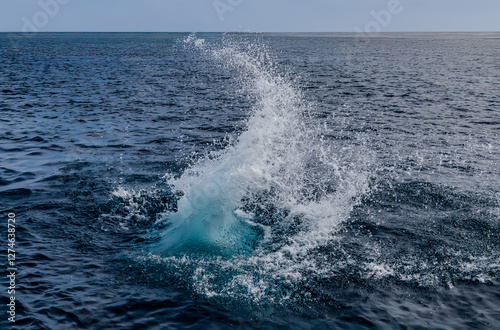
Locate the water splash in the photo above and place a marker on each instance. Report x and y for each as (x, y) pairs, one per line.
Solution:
(260, 207)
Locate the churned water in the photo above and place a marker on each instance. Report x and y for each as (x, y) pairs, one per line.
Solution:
(312, 181)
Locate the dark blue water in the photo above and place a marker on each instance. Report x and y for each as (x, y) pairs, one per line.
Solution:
(167, 181)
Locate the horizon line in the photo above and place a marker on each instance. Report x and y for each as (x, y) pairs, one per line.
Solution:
(252, 32)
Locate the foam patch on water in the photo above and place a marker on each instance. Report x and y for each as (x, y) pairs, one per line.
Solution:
(134, 207)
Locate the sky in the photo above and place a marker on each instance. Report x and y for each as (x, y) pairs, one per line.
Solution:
(249, 15)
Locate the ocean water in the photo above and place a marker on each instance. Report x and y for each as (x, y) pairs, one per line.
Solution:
(220, 181)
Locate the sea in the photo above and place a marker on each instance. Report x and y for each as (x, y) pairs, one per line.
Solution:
(250, 180)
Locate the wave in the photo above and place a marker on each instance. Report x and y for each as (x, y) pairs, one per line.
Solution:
(280, 160)
(275, 194)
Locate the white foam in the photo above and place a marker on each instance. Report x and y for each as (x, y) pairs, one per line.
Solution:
(281, 153)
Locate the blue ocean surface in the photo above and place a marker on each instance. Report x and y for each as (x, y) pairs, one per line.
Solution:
(252, 181)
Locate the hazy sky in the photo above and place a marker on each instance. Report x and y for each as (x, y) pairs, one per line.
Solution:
(250, 15)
